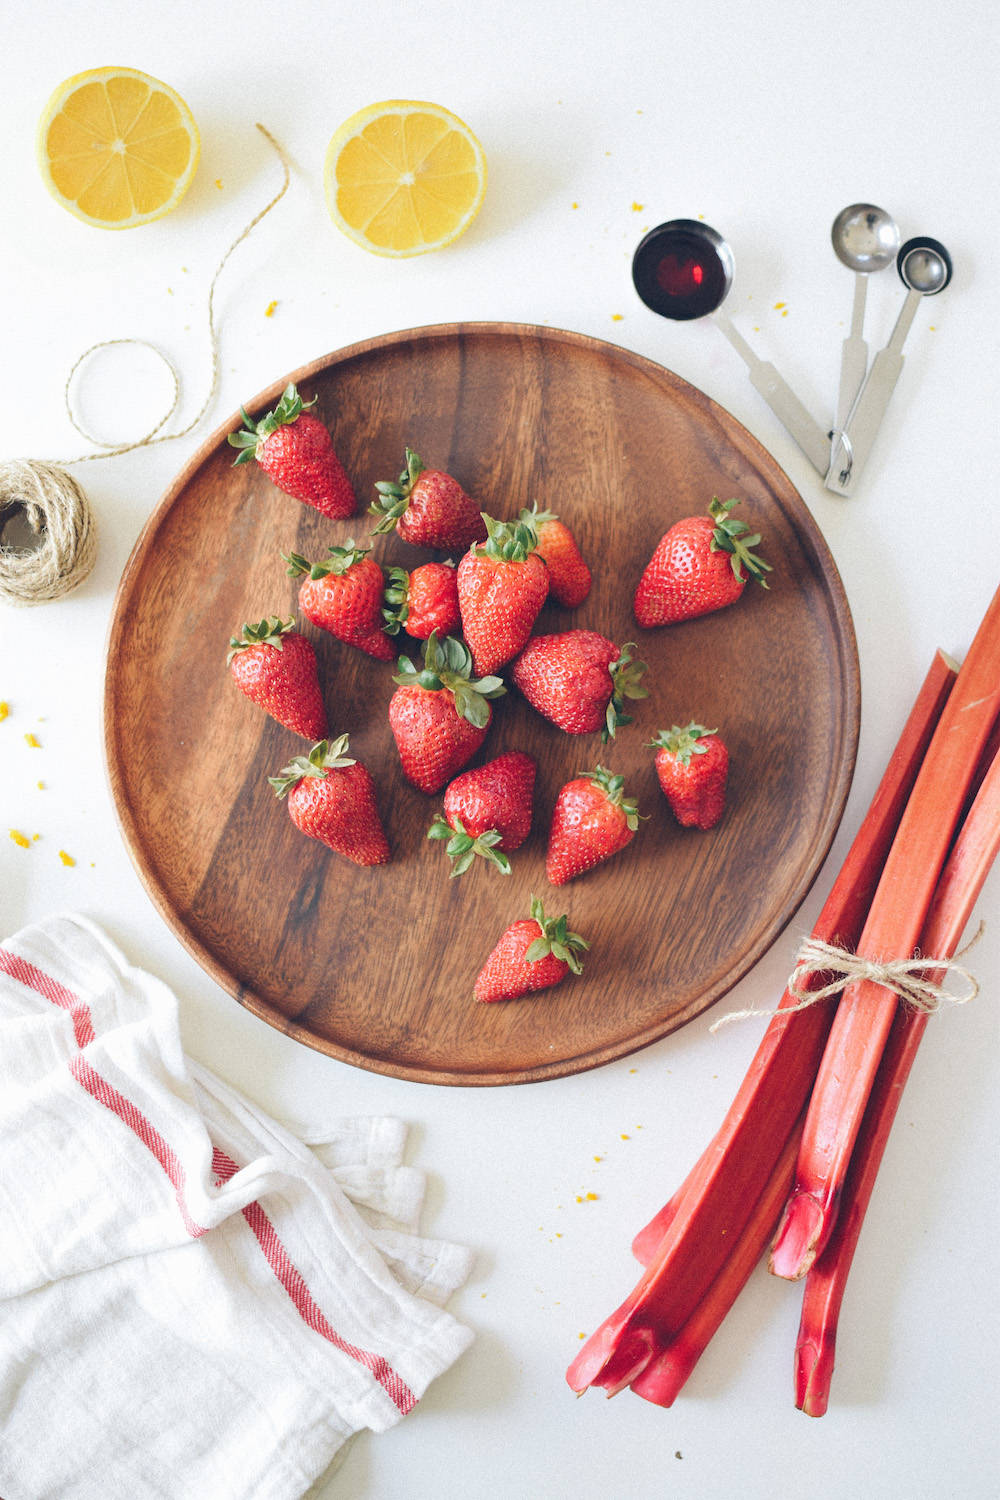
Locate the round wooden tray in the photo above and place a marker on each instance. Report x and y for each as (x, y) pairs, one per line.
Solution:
(376, 967)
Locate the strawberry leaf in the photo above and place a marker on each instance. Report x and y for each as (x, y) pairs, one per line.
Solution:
(731, 536)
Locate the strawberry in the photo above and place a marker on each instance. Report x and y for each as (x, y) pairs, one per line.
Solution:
(580, 680)
(698, 567)
(531, 955)
(332, 798)
(591, 821)
(569, 576)
(344, 596)
(439, 716)
(692, 764)
(488, 812)
(501, 588)
(276, 668)
(428, 508)
(422, 601)
(295, 450)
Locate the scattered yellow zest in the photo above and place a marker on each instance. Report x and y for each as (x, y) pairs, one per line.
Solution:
(35, 837)
(116, 147)
(701, 216)
(633, 1070)
(574, 205)
(930, 325)
(218, 182)
(19, 839)
(404, 177)
(4, 711)
(269, 309)
(756, 330)
(586, 1197)
(31, 742)
(785, 313)
(617, 317)
(581, 1335)
(170, 290)
(625, 1137)
(637, 208)
(41, 786)
(778, 305)
(598, 1158)
(558, 1234)
(67, 859)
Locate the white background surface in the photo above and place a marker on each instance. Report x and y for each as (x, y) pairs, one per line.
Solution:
(767, 119)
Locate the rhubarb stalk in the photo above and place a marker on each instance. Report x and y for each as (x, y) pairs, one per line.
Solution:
(957, 891)
(711, 1211)
(864, 1016)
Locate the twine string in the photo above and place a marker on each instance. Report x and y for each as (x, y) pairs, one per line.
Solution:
(916, 981)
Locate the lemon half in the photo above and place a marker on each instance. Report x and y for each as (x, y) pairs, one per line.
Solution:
(404, 177)
(117, 148)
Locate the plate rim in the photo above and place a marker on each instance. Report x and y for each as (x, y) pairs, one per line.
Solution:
(812, 540)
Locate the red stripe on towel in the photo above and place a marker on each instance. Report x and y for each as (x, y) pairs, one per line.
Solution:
(291, 1279)
(26, 974)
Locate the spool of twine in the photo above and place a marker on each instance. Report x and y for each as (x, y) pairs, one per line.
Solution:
(53, 505)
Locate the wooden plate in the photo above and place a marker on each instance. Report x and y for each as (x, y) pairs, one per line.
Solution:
(376, 967)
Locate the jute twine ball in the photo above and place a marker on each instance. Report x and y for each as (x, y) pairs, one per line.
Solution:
(57, 510)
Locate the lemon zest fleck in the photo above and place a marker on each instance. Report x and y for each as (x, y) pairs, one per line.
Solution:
(67, 859)
(617, 317)
(269, 309)
(31, 742)
(19, 839)
(637, 208)
(4, 711)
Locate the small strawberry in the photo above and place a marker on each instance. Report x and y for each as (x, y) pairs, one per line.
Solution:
(439, 716)
(531, 955)
(692, 764)
(591, 821)
(698, 567)
(332, 798)
(428, 508)
(501, 588)
(488, 811)
(295, 450)
(344, 596)
(276, 668)
(569, 576)
(580, 680)
(422, 601)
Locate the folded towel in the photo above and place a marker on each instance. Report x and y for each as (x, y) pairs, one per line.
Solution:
(197, 1302)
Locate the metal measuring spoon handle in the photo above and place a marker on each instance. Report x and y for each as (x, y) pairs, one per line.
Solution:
(780, 397)
(865, 239)
(925, 269)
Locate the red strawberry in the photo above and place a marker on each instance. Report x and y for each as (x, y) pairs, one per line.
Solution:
(501, 588)
(569, 576)
(698, 567)
(439, 716)
(422, 601)
(276, 668)
(591, 821)
(295, 450)
(428, 508)
(580, 680)
(692, 764)
(531, 955)
(332, 798)
(488, 811)
(344, 596)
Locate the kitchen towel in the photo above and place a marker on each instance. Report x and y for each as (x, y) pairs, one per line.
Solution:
(195, 1301)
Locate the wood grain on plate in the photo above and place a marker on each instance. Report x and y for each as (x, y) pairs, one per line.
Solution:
(376, 967)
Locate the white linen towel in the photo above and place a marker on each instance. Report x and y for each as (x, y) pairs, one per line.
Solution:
(194, 1301)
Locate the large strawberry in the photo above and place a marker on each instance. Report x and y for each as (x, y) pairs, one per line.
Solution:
(580, 681)
(501, 588)
(422, 601)
(692, 764)
(332, 798)
(276, 668)
(488, 812)
(531, 955)
(591, 821)
(569, 576)
(428, 508)
(295, 450)
(344, 596)
(698, 567)
(438, 715)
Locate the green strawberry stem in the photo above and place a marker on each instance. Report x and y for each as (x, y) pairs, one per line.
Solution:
(338, 561)
(269, 632)
(448, 664)
(625, 674)
(394, 495)
(322, 758)
(613, 788)
(535, 517)
(682, 743)
(555, 939)
(397, 597)
(462, 848)
(288, 409)
(507, 541)
(730, 536)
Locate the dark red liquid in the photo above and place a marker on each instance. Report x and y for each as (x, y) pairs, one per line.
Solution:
(680, 278)
(678, 273)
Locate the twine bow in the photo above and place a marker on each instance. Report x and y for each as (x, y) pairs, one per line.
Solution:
(915, 980)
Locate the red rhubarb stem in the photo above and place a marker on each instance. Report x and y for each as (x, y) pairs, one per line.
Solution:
(720, 1192)
(864, 1016)
(957, 891)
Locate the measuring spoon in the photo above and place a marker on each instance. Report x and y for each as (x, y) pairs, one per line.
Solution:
(865, 240)
(684, 269)
(924, 267)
